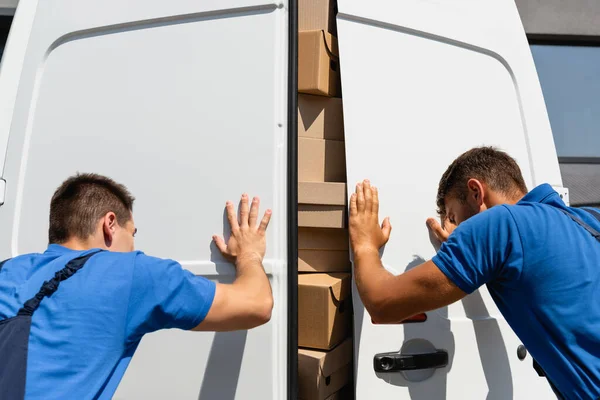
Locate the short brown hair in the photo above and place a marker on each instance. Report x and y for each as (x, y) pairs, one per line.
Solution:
(80, 201)
(487, 164)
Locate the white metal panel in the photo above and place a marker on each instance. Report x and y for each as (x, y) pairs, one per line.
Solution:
(186, 103)
(423, 82)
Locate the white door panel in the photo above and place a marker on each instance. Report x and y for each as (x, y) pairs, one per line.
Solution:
(423, 82)
(186, 103)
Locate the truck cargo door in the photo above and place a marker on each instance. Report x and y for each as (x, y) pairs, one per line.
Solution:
(422, 82)
(186, 103)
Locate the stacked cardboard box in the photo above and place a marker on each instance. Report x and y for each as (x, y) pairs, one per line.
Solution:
(324, 295)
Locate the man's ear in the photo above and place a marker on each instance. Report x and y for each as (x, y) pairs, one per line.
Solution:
(109, 226)
(476, 191)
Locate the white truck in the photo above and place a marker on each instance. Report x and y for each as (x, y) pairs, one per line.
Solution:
(170, 98)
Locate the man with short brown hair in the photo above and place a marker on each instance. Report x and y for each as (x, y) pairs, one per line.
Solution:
(539, 259)
(72, 317)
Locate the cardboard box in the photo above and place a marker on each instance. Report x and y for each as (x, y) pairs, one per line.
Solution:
(321, 375)
(324, 310)
(317, 15)
(321, 160)
(323, 261)
(318, 64)
(323, 250)
(324, 193)
(317, 216)
(323, 239)
(320, 117)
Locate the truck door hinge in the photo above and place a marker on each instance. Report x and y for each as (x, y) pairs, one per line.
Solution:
(563, 193)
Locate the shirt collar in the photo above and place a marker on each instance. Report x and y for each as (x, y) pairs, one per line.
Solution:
(61, 250)
(543, 194)
(58, 249)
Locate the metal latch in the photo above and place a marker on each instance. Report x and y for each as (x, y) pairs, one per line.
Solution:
(2, 191)
(563, 193)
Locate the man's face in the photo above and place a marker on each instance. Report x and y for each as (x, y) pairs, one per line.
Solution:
(123, 238)
(458, 211)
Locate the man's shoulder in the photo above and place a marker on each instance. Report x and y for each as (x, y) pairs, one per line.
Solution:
(492, 215)
(133, 258)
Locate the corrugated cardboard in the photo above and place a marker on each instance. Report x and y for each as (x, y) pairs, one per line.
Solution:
(321, 160)
(324, 193)
(318, 64)
(324, 310)
(323, 239)
(317, 216)
(323, 374)
(320, 117)
(317, 15)
(323, 261)
(323, 250)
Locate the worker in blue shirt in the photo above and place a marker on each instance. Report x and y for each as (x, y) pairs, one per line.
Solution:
(539, 259)
(72, 317)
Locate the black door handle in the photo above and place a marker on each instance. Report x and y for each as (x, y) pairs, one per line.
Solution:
(392, 362)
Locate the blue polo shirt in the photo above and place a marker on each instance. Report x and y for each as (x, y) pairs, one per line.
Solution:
(543, 271)
(83, 337)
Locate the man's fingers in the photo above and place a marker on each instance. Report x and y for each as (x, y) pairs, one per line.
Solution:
(220, 244)
(368, 195)
(264, 223)
(254, 212)
(360, 198)
(386, 228)
(437, 230)
(375, 200)
(231, 217)
(448, 226)
(244, 210)
(353, 209)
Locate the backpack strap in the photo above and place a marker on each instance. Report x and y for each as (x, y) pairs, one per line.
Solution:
(585, 226)
(594, 213)
(49, 287)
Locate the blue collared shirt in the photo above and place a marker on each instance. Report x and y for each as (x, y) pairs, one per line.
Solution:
(543, 271)
(83, 337)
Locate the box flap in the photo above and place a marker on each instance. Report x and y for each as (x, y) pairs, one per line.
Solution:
(337, 283)
(331, 44)
(336, 359)
(341, 289)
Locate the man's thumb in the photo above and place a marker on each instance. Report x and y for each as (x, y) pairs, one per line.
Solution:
(437, 229)
(386, 228)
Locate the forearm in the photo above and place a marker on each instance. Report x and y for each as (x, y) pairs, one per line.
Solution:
(371, 279)
(253, 285)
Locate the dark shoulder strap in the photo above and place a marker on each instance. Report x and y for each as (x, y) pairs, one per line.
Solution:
(49, 287)
(578, 220)
(2, 264)
(594, 213)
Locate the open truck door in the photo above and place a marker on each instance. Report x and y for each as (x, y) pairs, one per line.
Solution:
(422, 82)
(189, 104)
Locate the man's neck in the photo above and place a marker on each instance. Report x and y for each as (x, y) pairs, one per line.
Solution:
(78, 244)
(496, 199)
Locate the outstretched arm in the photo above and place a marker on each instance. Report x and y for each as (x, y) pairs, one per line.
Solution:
(389, 298)
(248, 301)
